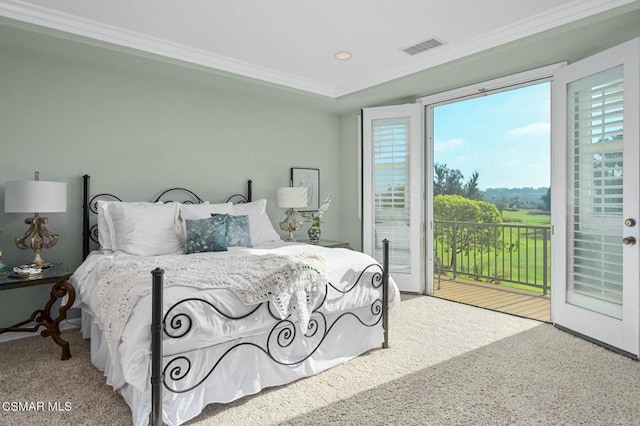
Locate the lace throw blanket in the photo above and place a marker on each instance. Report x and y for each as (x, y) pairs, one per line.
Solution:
(293, 284)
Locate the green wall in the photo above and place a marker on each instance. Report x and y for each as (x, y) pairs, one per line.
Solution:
(350, 221)
(137, 126)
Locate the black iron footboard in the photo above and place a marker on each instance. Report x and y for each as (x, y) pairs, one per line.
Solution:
(176, 324)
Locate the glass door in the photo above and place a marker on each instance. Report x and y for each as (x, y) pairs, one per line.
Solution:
(392, 190)
(596, 159)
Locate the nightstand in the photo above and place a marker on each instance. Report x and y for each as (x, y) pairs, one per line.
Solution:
(329, 243)
(58, 276)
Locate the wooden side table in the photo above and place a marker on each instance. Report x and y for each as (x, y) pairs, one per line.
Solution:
(59, 276)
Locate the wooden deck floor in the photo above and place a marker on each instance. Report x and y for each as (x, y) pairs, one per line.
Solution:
(499, 298)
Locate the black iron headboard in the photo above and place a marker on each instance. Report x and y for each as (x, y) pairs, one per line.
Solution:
(90, 206)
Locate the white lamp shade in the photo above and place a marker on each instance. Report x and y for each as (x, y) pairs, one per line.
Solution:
(292, 197)
(35, 196)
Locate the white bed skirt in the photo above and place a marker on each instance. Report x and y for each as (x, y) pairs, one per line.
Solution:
(244, 371)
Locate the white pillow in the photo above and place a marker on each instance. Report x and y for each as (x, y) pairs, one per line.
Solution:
(104, 235)
(144, 229)
(254, 207)
(260, 227)
(202, 211)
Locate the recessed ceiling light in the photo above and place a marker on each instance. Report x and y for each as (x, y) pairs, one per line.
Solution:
(343, 55)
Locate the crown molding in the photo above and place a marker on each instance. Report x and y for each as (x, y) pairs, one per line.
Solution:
(48, 18)
(32, 14)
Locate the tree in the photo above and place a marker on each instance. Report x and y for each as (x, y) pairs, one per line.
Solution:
(447, 181)
(500, 205)
(546, 201)
(488, 213)
(471, 190)
(451, 182)
(458, 232)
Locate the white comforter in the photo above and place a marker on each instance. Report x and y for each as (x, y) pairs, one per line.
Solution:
(343, 268)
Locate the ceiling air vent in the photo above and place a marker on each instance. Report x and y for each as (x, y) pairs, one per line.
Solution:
(422, 46)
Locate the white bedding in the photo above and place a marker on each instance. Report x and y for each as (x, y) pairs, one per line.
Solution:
(209, 331)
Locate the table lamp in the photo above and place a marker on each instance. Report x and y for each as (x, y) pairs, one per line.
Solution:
(290, 198)
(36, 196)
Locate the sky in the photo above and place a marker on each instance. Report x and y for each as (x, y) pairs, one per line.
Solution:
(505, 137)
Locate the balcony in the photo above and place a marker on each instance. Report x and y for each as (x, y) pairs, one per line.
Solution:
(498, 298)
(503, 267)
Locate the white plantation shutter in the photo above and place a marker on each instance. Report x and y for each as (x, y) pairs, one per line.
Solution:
(391, 189)
(392, 198)
(595, 107)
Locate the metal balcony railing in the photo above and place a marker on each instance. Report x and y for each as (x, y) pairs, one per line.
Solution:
(494, 252)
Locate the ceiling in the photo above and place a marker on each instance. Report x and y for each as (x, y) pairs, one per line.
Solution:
(284, 49)
(292, 43)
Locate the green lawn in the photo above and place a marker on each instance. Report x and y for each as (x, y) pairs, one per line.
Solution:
(525, 255)
(527, 217)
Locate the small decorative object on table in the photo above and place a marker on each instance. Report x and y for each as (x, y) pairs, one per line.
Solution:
(315, 218)
(29, 270)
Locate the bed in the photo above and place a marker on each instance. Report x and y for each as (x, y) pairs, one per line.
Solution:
(238, 313)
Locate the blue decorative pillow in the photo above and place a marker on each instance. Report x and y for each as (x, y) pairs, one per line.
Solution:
(208, 234)
(238, 234)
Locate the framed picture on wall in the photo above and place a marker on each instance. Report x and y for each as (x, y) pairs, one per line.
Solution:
(309, 178)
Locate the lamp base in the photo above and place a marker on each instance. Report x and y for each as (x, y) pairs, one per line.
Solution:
(36, 238)
(39, 262)
(291, 224)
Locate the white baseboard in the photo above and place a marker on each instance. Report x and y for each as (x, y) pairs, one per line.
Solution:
(64, 325)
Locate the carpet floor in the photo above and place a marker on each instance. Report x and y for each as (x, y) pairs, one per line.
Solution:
(448, 364)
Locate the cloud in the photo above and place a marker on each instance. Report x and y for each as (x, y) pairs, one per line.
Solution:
(449, 145)
(542, 128)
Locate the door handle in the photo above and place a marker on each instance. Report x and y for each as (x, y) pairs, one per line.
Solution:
(630, 222)
(629, 241)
